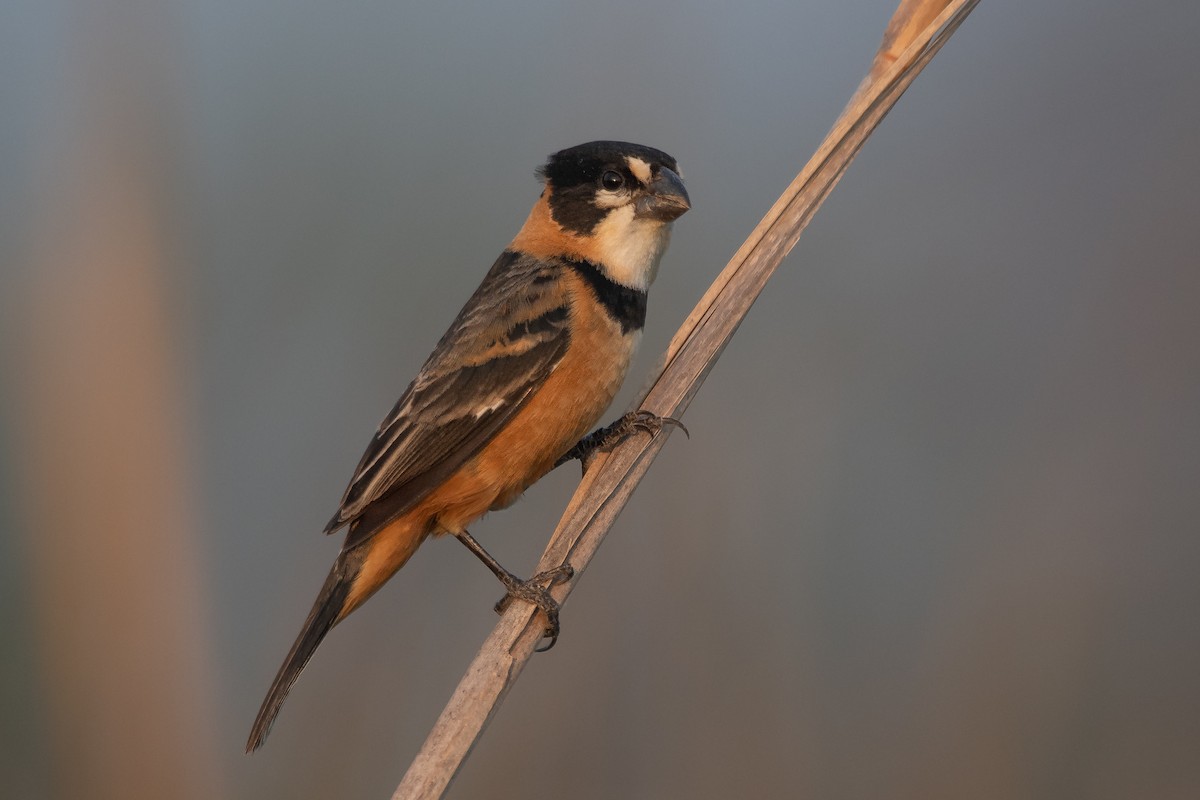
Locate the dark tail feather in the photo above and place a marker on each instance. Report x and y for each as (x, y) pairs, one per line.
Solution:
(324, 615)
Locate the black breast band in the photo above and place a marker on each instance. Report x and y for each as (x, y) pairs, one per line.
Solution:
(625, 305)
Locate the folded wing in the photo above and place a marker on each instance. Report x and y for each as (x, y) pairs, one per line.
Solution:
(500, 349)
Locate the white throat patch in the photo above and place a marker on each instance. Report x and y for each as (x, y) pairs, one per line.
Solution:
(630, 249)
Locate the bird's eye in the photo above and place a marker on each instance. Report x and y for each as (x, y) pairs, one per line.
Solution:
(612, 180)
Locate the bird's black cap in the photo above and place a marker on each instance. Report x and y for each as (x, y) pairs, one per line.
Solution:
(584, 163)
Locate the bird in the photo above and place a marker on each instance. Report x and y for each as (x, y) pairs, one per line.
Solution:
(527, 367)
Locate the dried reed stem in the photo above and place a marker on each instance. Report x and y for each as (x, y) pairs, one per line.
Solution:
(917, 31)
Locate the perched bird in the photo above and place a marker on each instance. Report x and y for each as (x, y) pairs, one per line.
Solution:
(527, 367)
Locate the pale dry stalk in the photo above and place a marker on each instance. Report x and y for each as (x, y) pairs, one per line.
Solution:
(917, 31)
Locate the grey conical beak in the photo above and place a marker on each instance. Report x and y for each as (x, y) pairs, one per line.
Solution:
(666, 197)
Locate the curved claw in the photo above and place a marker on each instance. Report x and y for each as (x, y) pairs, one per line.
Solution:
(532, 591)
(652, 423)
(604, 439)
(551, 631)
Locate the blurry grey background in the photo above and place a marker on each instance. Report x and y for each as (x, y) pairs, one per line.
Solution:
(934, 534)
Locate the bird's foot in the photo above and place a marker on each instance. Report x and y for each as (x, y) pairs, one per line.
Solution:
(536, 591)
(604, 439)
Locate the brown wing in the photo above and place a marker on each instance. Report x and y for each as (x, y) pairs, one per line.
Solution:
(504, 343)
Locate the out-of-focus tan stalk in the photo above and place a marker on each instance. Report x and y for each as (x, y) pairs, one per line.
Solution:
(106, 501)
(916, 33)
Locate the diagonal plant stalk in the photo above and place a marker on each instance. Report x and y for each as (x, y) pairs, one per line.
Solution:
(915, 34)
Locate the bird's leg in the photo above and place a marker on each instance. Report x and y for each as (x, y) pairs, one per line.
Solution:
(531, 591)
(606, 438)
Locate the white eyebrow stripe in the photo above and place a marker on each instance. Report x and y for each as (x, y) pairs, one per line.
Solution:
(639, 168)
